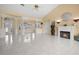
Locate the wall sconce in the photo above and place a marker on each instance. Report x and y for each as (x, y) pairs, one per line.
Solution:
(76, 20)
(41, 23)
(58, 22)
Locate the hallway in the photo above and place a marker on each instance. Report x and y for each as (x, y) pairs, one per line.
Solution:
(42, 45)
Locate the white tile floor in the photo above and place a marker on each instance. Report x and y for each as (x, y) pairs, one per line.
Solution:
(42, 45)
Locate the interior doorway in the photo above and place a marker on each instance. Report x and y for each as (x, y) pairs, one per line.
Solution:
(27, 31)
(8, 26)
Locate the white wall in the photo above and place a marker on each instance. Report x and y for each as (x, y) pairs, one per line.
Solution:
(47, 27)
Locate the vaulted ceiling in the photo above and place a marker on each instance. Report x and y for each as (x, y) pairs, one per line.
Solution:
(57, 13)
(27, 10)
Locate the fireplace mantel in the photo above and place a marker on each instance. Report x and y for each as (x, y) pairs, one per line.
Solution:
(66, 29)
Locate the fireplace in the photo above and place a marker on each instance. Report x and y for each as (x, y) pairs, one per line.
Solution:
(65, 34)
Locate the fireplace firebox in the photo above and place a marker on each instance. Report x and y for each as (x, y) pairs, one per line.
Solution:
(65, 34)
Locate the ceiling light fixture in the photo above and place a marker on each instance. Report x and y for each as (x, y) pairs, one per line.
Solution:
(36, 6)
(22, 5)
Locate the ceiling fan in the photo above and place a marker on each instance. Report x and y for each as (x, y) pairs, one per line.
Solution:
(22, 5)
